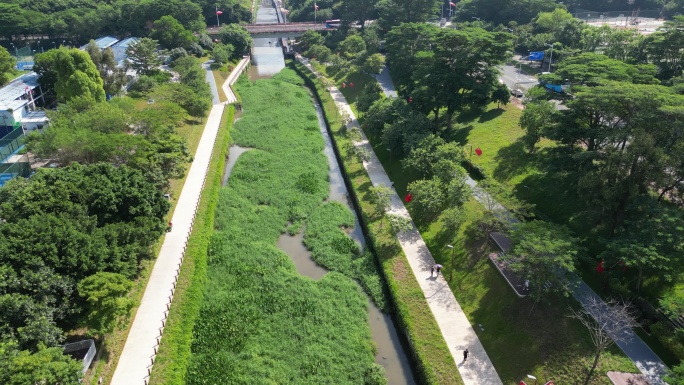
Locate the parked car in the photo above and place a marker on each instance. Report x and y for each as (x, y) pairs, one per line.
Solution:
(518, 93)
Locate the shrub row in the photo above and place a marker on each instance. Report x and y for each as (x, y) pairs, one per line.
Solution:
(174, 352)
(433, 361)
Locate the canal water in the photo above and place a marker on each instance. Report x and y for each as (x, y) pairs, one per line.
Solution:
(267, 60)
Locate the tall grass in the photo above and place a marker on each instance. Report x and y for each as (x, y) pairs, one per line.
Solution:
(260, 321)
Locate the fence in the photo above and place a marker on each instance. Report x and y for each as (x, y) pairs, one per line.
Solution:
(616, 16)
(24, 57)
(10, 143)
(85, 349)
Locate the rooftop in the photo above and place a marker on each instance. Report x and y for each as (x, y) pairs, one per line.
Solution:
(18, 87)
(103, 42)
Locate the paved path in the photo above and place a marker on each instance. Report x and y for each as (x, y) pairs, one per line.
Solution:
(386, 82)
(232, 78)
(137, 357)
(455, 328)
(209, 76)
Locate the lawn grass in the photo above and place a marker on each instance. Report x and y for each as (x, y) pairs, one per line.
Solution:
(260, 321)
(546, 344)
(105, 364)
(432, 358)
(220, 77)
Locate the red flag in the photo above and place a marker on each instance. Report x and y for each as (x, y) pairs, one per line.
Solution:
(316, 7)
(410, 99)
(599, 267)
(478, 151)
(219, 12)
(408, 198)
(452, 4)
(351, 85)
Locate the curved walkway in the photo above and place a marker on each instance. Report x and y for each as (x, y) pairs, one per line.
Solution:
(453, 324)
(136, 360)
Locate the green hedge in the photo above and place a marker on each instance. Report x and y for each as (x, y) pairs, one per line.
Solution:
(432, 359)
(172, 359)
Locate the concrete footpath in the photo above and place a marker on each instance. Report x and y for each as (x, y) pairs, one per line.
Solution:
(452, 322)
(137, 357)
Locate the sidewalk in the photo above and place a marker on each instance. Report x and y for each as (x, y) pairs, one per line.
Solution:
(137, 357)
(452, 322)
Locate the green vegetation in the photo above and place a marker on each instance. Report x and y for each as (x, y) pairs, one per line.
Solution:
(276, 324)
(174, 352)
(435, 365)
(7, 64)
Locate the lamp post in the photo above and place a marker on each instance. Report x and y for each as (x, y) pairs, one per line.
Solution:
(451, 265)
(531, 377)
(218, 23)
(551, 56)
(476, 18)
(16, 53)
(390, 163)
(54, 45)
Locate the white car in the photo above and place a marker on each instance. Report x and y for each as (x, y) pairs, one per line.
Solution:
(518, 93)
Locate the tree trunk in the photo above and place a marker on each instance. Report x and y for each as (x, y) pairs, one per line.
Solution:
(593, 367)
(450, 115)
(436, 122)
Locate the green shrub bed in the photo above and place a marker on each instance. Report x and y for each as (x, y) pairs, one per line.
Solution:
(260, 321)
(433, 361)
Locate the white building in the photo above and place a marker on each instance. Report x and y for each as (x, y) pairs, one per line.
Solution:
(19, 102)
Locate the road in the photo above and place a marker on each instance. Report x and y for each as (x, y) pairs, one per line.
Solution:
(513, 79)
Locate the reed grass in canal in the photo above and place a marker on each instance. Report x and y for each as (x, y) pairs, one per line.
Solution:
(260, 321)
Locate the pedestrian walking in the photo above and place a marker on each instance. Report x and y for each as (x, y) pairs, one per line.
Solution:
(438, 268)
(432, 271)
(465, 355)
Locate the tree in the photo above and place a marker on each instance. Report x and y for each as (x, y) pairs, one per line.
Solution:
(546, 254)
(237, 36)
(381, 199)
(7, 64)
(459, 75)
(676, 375)
(46, 366)
(107, 298)
(143, 56)
(501, 95)
(113, 76)
(428, 198)
(537, 119)
(370, 93)
(309, 39)
(403, 44)
(72, 73)
(503, 11)
(357, 10)
(399, 223)
(374, 64)
(352, 46)
(606, 324)
(395, 12)
(319, 52)
(12, 20)
(592, 69)
(171, 34)
(222, 53)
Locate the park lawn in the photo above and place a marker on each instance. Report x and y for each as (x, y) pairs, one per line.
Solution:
(359, 79)
(191, 131)
(547, 344)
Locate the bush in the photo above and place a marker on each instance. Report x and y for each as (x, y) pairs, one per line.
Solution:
(222, 53)
(177, 53)
(196, 50)
(143, 84)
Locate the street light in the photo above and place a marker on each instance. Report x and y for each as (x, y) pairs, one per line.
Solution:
(551, 57)
(16, 53)
(531, 377)
(476, 18)
(451, 265)
(54, 45)
(390, 163)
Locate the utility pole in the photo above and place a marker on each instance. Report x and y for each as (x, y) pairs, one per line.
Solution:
(451, 265)
(551, 57)
(218, 23)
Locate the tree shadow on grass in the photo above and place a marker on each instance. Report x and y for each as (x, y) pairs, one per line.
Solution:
(458, 134)
(491, 114)
(514, 160)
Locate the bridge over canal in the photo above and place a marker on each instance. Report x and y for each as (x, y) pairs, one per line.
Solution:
(280, 28)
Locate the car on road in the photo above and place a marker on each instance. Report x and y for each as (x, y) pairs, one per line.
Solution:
(518, 93)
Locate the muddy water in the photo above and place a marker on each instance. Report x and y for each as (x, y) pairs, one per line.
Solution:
(234, 153)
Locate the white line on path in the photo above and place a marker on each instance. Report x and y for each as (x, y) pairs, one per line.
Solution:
(137, 357)
(452, 322)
